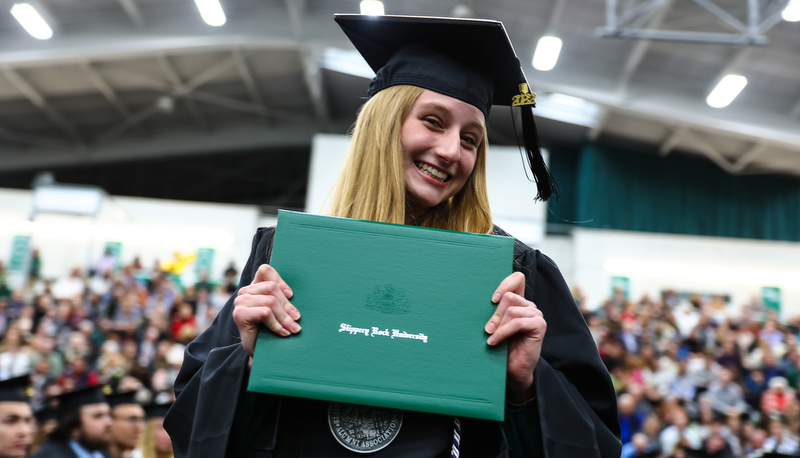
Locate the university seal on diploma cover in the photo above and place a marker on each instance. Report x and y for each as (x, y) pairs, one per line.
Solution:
(363, 429)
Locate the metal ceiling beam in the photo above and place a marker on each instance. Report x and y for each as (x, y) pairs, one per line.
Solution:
(213, 99)
(795, 112)
(781, 132)
(29, 139)
(627, 23)
(555, 16)
(39, 101)
(177, 85)
(108, 92)
(640, 49)
(247, 76)
(133, 12)
(672, 141)
(167, 144)
(312, 73)
(128, 123)
(683, 133)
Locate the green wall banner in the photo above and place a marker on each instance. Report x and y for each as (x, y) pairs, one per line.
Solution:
(204, 261)
(19, 253)
(621, 284)
(771, 297)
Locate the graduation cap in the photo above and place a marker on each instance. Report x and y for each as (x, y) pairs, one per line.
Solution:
(471, 60)
(126, 397)
(15, 389)
(68, 402)
(156, 410)
(45, 414)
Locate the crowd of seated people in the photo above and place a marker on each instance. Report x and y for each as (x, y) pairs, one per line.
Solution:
(123, 328)
(695, 376)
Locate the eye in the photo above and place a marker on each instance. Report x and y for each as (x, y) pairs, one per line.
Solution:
(433, 121)
(470, 140)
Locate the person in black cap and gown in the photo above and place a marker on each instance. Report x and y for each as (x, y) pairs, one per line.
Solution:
(17, 424)
(127, 425)
(418, 156)
(83, 426)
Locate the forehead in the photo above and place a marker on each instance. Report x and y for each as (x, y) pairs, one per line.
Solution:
(15, 408)
(432, 99)
(95, 409)
(128, 409)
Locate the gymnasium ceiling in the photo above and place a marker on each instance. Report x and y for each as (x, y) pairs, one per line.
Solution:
(132, 81)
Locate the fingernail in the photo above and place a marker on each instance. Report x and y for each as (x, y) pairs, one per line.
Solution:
(295, 327)
(294, 314)
(496, 298)
(490, 340)
(490, 327)
(287, 292)
(283, 332)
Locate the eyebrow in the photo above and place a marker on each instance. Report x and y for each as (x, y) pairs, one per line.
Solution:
(476, 124)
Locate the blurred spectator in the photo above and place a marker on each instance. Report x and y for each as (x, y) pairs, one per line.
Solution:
(777, 398)
(639, 447)
(14, 359)
(780, 439)
(754, 446)
(680, 433)
(70, 286)
(15, 304)
(630, 421)
(682, 386)
(35, 267)
(184, 327)
(726, 395)
(78, 375)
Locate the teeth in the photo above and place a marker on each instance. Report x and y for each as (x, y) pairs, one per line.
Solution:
(441, 176)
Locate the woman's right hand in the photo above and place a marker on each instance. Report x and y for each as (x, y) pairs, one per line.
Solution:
(264, 301)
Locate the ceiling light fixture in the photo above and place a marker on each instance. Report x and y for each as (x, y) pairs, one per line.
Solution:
(728, 89)
(31, 21)
(372, 7)
(792, 11)
(546, 55)
(211, 12)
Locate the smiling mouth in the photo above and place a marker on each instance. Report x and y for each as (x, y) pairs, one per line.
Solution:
(432, 172)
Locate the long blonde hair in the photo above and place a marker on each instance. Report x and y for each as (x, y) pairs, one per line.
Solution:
(372, 184)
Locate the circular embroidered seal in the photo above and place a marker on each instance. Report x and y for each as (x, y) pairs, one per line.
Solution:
(363, 429)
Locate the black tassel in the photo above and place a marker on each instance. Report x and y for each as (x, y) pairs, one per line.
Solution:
(545, 184)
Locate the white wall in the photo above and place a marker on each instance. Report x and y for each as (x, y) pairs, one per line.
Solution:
(654, 262)
(152, 229)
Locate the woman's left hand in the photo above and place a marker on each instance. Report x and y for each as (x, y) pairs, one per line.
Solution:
(519, 321)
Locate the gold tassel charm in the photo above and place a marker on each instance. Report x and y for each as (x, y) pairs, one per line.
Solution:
(525, 97)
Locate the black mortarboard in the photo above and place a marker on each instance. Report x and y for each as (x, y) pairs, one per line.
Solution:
(72, 400)
(15, 389)
(46, 413)
(156, 410)
(469, 59)
(126, 397)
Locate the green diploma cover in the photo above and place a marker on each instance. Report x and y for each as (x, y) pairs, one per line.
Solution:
(392, 316)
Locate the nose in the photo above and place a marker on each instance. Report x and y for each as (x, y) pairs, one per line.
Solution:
(449, 147)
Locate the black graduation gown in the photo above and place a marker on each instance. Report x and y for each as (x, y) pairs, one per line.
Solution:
(58, 449)
(575, 406)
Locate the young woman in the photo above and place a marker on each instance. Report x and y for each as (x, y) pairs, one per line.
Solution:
(418, 157)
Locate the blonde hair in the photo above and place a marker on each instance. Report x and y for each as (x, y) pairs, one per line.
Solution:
(147, 442)
(372, 184)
